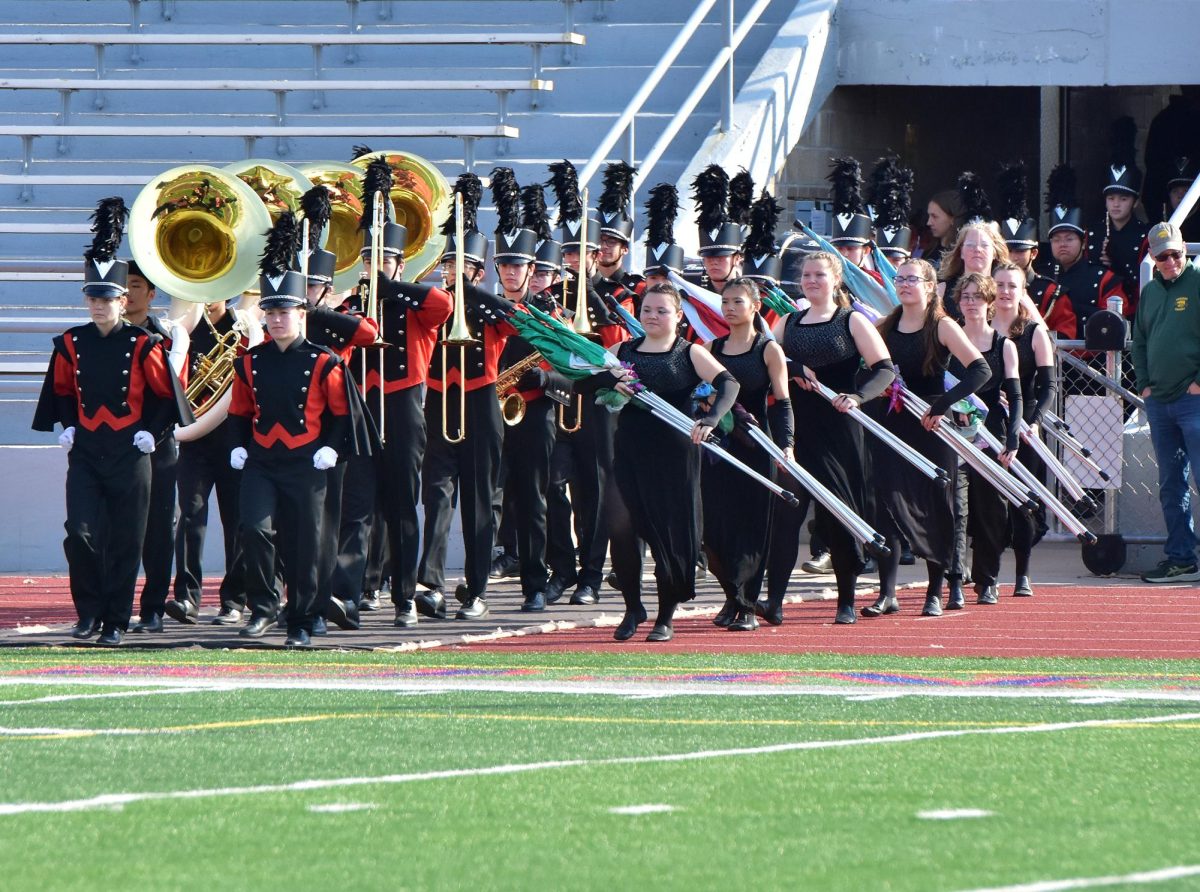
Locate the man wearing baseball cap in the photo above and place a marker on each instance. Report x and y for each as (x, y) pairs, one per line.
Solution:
(1166, 359)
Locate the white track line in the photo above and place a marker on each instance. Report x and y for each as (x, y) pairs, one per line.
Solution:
(60, 698)
(1149, 876)
(681, 688)
(111, 800)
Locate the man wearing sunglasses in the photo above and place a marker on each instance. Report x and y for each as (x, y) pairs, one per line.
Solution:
(1166, 358)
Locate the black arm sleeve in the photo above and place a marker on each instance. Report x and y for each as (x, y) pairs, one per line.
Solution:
(241, 431)
(976, 375)
(412, 294)
(779, 417)
(1043, 393)
(494, 309)
(876, 382)
(726, 387)
(1012, 392)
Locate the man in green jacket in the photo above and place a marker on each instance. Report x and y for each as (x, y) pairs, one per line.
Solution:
(1166, 358)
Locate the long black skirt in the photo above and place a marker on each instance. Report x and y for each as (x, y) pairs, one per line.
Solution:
(737, 518)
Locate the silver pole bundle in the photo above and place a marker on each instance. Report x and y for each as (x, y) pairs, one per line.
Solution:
(1061, 431)
(1073, 487)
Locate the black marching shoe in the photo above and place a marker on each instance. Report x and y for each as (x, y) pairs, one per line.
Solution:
(743, 621)
(845, 615)
(1023, 589)
(85, 628)
(110, 638)
(726, 614)
(611, 580)
(769, 611)
(298, 638)
(505, 566)
(319, 627)
(555, 588)
(987, 595)
(406, 614)
(954, 598)
(151, 623)
(343, 614)
(933, 605)
(473, 608)
(585, 596)
(907, 558)
(229, 616)
(257, 627)
(881, 606)
(431, 604)
(182, 611)
(629, 623)
(369, 602)
(661, 632)
(534, 603)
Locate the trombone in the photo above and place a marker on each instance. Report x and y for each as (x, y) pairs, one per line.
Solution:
(373, 309)
(459, 336)
(580, 323)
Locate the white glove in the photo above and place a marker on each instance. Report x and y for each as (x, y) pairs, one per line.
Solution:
(237, 458)
(325, 458)
(67, 438)
(180, 341)
(144, 440)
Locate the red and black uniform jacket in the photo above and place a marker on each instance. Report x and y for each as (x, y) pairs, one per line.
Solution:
(1078, 292)
(290, 402)
(543, 380)
(109, 387)
(602, 293)
(340, 330)
(477, 364)
(410, 316)
(1127, 249)
(634, 286)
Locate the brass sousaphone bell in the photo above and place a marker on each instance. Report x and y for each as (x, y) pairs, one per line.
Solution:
(343, 237)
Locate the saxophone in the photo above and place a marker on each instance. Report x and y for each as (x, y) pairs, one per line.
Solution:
(512, 405)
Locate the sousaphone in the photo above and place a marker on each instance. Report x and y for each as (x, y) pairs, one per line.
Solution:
(341, 235)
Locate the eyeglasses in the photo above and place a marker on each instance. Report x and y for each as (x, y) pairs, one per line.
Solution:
(908, 280)
(1169, 256)
(971, 298)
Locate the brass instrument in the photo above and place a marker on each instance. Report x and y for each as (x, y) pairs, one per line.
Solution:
(459, 335)
(342, 236)
(210, 389)
(279, 186)
(581, 323)
(512, 404)
(197, 232)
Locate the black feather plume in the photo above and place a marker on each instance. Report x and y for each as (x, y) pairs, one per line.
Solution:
(846, 178)
(661, 210)
(618, 189)
(1122, 138)
(358, 151)
(506, 195)
(741, 197)
(1060, 188)
(533, 211)
(378, 178)
(890, 192)
(976, 205)
(1013, 185)
(316, 207)
(710, 190)
(763, 218)
(283, 244)
(108, 226)
(471, 189)
(564, 180)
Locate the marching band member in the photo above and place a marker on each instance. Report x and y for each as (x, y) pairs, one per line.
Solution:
(978, 246)
(616, 229)
(850, 227)
(469, 466)
(110, 386)
(720, 237)
(1019, 229)
(891, 199)
(1120, 245)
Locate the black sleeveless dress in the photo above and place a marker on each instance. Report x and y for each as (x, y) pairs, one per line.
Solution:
(908, 503)
(1027, 530)
(657, 471)
(829, 444)
(737, 511)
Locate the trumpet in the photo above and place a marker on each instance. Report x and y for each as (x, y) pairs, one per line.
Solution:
(512, 404)
(459, 335)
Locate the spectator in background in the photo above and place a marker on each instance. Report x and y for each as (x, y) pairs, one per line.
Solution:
(945, 216)
(1166, 358)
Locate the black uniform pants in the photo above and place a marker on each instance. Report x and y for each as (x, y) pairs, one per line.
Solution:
(108, 496)
(399, 484)
(474, 465)
(331, 524)
(583, 458)
(527, 450)
(158, 546)
(358, 484)
(203, 465)
(379, 562)
(282, 501)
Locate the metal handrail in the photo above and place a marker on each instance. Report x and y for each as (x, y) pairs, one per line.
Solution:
(1146, 270)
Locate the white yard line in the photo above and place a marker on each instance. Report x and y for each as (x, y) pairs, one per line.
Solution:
(1164, 875)
(61, 698)
(117, 800)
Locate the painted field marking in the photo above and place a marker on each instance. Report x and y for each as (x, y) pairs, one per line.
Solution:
(109, 800)
(953, 814)
(641, 809)
(67, 733)
(62, 698)
(1149, 876)
(334, 808)
(1101, 700)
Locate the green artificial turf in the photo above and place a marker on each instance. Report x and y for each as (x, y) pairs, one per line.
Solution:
(1077, 802)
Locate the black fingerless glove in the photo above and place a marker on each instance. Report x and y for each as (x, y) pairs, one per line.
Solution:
(1043, 394)
(974, 376)
(876, 381)
(782, 424)
(726, 387)
(1012, 392)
